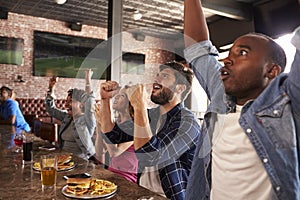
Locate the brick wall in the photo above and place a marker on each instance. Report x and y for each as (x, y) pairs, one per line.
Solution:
(22, 26)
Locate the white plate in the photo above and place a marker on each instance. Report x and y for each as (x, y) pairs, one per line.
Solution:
(62, 169)
(86, 196)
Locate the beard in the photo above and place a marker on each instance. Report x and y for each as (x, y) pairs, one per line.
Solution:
(163, 96)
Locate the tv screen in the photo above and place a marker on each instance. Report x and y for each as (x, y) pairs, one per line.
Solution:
(133, 63)
(68, 56)
(11, 50)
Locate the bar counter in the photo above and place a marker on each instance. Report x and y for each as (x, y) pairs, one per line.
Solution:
(18, 181)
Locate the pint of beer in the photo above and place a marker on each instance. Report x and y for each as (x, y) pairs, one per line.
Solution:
(48, 170)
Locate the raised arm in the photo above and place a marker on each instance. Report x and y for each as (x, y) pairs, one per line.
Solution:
(90, 101)
(100, 147)
(88, 77)
(195, 27)
(107, 90)
(52, 82)
(142, 131)
(49, 101)
(202, 56)
(294, 74)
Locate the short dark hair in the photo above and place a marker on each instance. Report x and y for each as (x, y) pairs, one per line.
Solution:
(184, 75)
(7, 89)
(77, 94)
(276, 52)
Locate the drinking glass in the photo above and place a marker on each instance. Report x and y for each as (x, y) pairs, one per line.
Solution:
(27, 150)
(18, 139)
(48, 171)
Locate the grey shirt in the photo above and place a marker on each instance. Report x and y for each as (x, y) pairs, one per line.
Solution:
(75, 136)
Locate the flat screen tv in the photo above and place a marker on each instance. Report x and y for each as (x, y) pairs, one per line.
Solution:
(11, 50)
(133, 63)
(68, 56)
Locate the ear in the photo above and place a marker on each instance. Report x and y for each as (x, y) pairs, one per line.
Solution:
(274, 71)
(81, 106)
(180, 88)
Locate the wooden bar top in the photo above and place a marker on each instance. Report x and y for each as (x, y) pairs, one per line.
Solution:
(19, 181)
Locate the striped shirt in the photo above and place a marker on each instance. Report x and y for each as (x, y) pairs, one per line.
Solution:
(171, 149)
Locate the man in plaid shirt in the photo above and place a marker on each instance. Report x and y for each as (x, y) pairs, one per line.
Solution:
(164, 137)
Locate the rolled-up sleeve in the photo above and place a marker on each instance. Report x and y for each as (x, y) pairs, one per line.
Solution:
(202, 57)
(84, 139)
(89, 112)
(120, 133)
(294, 76)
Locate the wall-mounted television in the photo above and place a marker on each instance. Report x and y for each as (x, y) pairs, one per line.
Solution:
(68, 56)
(11, 50)
(133, 63)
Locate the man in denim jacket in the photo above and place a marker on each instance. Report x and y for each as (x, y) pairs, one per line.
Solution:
(249, 142)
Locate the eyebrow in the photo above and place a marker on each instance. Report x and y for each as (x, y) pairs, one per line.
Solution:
(242, 46)
(167, 74)
(245, 47)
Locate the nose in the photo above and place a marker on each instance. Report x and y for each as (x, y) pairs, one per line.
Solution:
(157, 79)
(226, 61)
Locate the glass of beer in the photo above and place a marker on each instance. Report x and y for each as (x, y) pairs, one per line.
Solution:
(48, 171)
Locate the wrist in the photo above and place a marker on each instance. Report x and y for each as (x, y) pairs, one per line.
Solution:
(105, 99)
(139, 108)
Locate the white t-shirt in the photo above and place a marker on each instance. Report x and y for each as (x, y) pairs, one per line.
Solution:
(237, 171)
(150, 180)
(150, 176)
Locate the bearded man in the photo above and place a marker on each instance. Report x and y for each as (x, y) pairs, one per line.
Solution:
(164, 137)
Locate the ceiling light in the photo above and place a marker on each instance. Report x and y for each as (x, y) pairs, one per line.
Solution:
(60, 1)
(137, 15)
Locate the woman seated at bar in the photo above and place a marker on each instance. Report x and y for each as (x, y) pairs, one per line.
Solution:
(123, 159)
(78, 120)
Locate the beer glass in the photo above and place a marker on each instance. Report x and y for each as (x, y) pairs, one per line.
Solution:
(48, 171)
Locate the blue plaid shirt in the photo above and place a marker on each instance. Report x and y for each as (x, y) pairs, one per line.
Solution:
(171, 148)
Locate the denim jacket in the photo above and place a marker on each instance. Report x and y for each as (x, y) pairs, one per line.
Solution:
(84, 126)
(271, 122)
